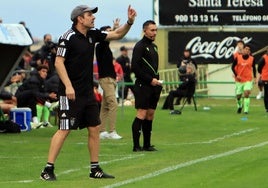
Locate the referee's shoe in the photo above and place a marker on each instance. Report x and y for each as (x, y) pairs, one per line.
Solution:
(98, 173)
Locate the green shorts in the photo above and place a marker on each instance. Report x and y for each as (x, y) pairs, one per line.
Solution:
(241, 87)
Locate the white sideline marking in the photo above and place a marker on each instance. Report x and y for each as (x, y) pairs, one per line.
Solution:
(103, 143)
(122, 159)
(78, 169)
(103, 162)
(188, 163)
(217, 139)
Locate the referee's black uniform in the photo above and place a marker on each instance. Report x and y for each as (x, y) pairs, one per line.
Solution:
(145, 67)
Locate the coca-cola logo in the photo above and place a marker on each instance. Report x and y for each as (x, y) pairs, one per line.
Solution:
(214, 49)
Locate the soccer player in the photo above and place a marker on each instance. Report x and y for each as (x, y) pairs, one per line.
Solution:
(263, 70)
(239, 48)
(244, 69)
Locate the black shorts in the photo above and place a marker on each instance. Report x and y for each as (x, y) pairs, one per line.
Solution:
(146, 97)
(81, 113)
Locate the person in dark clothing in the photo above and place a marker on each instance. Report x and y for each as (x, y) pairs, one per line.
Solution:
(34, 90)
(107, 81)
(77, 102)
(186, 59)
(185, 89)
(46, 55)
(147, 87)
(7, 101)
(4, 95)
(124, 61)
(52, 84)
(263, 71)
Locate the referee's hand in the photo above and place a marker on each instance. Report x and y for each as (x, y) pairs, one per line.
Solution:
(155, 82)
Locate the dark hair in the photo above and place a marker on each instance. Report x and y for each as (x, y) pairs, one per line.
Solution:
(45, 35)
(187, 50)
(247, 45)
(40, 67)
(148, 22)
(123, 48)
(104, 28)
(240, 41)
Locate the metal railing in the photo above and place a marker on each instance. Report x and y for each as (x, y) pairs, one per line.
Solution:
(171, 79)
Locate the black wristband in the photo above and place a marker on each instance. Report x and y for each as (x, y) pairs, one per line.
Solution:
(129, 23)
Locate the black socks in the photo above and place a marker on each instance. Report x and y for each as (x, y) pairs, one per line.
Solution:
(147, 129)
(136, 132)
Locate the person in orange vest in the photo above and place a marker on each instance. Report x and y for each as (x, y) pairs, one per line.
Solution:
(263, 71)
(239, 48)
(243, 67)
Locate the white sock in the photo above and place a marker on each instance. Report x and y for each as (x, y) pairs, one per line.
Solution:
(48, 104)
(35, 119)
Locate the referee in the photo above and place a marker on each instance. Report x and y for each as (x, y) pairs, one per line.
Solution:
(147, 87)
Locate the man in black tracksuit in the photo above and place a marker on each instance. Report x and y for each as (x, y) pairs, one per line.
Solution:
(147, 87)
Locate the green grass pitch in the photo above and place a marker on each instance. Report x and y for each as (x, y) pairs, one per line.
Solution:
(204, 148)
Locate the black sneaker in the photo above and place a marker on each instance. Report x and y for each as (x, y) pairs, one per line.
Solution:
(137, 149)
(98, 173)
(48, 174)
(150, 148)
(239, 110)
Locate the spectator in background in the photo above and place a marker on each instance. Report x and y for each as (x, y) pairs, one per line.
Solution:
(46, 55)
(119, 77)
(18, 77)
(107, 81)
(33, 90)
(1, 20)
(186, 59)
(45, 106)
(186, 88)
(263, 71)
(25, 61)
(7, 101)
(124, 61)
(97, 93)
